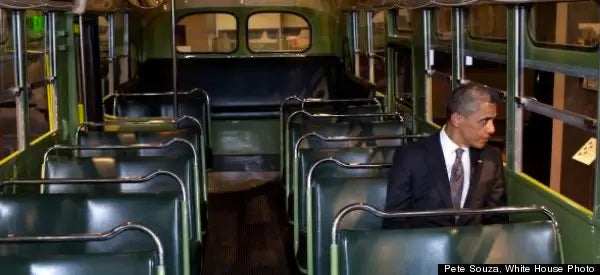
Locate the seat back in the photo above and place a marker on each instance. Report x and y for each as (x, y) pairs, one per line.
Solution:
(420, 250)
(61, 214)
(139, 263)
(349, 129)
(61, 167)
(308, 157)
(330, 196)
(98, 138)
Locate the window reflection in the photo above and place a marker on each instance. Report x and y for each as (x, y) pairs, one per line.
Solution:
(569, 23)
(278, 32)
(207, 33)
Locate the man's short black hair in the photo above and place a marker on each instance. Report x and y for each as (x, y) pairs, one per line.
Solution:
(466, 99)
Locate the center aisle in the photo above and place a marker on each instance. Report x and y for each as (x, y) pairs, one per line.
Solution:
(247, 233)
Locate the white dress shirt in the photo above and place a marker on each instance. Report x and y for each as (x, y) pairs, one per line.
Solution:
(449, 150)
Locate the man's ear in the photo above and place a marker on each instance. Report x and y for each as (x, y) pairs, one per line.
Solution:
(456, 119)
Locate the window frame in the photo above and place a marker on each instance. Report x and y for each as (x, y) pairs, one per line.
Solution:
(237, 31)
(310, 29)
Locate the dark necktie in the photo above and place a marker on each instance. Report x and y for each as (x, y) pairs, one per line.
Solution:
(456, 179)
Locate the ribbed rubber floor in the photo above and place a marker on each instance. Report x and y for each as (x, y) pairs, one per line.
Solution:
(246, 233)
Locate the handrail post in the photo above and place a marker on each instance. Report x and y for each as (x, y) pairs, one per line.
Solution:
(514, 76)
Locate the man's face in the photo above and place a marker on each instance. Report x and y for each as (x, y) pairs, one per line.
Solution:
(476, 128)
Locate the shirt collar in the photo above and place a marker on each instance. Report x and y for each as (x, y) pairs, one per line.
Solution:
(448, 146)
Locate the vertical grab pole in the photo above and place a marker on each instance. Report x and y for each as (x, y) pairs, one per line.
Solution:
(127, 72)
(355, 16)
(174, 55)
(83, 70)
(21, 91)
(370, 46)
(50, 69)
(111, 53)
(458, 46)
(514, 120)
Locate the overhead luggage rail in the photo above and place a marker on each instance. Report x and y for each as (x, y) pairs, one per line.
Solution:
(97, 236)
(419, 4)
(49, 5)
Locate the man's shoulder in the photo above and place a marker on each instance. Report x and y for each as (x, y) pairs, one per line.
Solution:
(491, 153)
(417, 147)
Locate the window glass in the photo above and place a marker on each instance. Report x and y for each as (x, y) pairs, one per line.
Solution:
(441, 86)
(568, 23)
(443, 23)
(549, 145)
(36, 74)
(379, 34)
(8, 118)
(404, 21)
(487, 21)
(207, 33)
(493, 75)
(278, 32)
(404, 76)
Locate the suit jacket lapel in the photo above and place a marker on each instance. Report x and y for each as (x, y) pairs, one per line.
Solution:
(476, 165)
(438, 165)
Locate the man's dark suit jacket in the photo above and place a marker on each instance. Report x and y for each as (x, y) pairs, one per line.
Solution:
(419, 181)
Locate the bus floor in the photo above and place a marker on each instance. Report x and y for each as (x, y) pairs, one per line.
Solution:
(248, 233)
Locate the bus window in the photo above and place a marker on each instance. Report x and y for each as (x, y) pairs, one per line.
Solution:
(8, 115)
(103, 40)
(487, 22)
(441, 86)
(443, 26)
(207, 33)
(404, 92)
(379, 34)
(404, 22)
(36, 74)
(569, 23)
(549, 145)
(491, 74)
(379, 46)
(278, 32)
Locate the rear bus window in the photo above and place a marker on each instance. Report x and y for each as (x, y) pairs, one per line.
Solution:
(278, 32)
(206, 33)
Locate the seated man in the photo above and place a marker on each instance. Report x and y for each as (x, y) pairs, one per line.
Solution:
(453, 168)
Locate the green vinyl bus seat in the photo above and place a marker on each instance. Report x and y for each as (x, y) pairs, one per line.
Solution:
(109, 164)
(420, 250)
(64, 214)
(134, 263)
(326, 169)
(325, 198)
(346, 129)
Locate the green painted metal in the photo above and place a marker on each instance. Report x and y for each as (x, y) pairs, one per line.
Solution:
(66, 83)
(390, 63)
(245, 137)
(28, 163)
(390, 79)
(485, 46)
(335, 254)
(325, 29)
(575, 222)
(419, 57)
